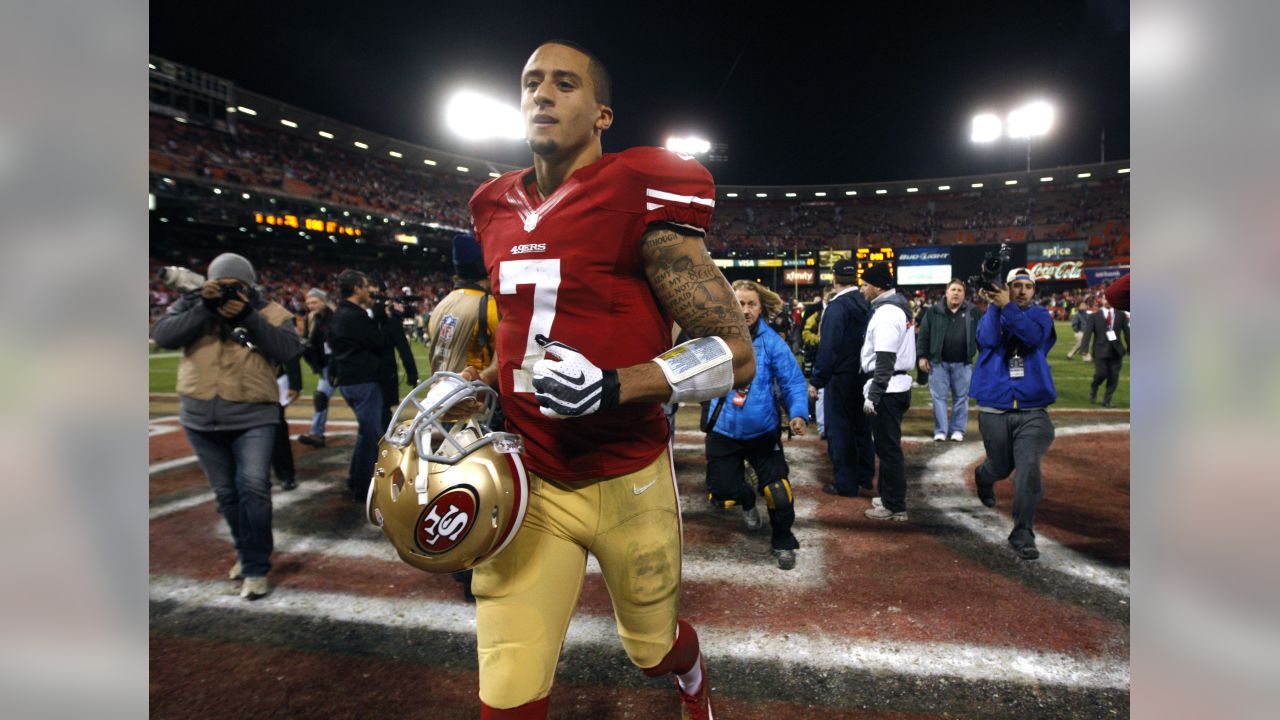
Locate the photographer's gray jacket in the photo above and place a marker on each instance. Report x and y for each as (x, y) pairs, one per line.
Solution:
(222, 384)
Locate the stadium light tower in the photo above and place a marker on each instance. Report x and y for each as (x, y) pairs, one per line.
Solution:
(688, 145)
(986, 128)
(1028, 122)
(476, 117)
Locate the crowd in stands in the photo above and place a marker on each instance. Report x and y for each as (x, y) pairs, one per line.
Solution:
(1094, 210)
(311, 169)
(320, 171)
(314, 170)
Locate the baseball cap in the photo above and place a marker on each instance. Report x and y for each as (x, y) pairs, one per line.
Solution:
(845, 268)
(1020, 274)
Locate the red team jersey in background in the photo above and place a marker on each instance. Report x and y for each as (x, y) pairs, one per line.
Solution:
(570, 268)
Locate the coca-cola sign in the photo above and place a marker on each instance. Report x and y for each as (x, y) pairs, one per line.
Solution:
(1069, 270)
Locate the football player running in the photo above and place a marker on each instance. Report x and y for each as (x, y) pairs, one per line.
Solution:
(591, 258)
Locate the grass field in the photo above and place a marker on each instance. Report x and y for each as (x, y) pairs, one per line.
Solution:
(1071, 376)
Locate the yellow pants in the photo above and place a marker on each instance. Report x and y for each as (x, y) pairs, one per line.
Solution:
(526, 595)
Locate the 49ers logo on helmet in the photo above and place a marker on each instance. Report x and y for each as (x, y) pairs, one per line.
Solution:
(446, 520)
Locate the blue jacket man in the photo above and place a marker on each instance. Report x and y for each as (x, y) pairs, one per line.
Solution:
(837, 371)
(748, 428)
(1013, 385)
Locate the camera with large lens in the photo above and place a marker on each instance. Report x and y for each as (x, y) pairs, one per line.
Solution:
(181, 279)
(991, 272)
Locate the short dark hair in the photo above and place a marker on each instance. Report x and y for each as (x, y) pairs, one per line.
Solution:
(349, 280)
(958, 281)
(600, 79)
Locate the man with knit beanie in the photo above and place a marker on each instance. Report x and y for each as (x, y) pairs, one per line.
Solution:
(888, 357)
(231, 341)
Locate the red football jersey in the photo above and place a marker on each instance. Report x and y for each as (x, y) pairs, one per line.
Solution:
(570, 268)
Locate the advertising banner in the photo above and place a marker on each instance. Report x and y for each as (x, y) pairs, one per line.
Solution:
(1101, 275)
(924, 266)
(1049, 271)
(803, 276)
(1056, 250)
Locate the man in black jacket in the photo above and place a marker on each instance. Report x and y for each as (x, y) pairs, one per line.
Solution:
(837, 371)
(1104, 328)
(391, 314)
(358, 341)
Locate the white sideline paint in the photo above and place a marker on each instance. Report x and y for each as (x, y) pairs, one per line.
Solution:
(278, 499)
(156, 428)
(971, 663)
(945, 486)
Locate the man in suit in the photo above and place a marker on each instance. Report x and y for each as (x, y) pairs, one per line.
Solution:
(1104, 328)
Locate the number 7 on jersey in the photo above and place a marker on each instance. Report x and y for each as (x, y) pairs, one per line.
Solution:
(544, 276)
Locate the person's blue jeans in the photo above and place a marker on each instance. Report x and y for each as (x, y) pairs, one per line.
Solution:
(321, 416)
(366, 400)
(238, 465)
(950, 379)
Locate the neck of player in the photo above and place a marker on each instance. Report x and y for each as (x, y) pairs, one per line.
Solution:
(552, 171)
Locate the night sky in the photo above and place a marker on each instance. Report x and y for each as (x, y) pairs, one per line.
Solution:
(801, 95)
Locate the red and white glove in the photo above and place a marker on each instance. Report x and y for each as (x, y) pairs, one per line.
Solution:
(572, 385)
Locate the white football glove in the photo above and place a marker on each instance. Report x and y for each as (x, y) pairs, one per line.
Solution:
(573, 385)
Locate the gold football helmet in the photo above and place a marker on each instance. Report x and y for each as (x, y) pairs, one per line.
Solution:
(447, 491)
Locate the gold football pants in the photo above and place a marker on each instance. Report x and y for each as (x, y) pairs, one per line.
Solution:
(526, 595)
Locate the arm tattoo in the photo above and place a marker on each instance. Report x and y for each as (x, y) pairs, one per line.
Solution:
(690, 286)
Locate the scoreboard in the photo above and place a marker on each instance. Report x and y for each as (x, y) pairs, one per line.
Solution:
(864, 256)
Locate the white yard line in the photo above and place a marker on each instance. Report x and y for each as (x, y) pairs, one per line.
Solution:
(946, 489)
(974, 663)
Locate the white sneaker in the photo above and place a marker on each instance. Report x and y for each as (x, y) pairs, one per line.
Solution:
(877, 502)
(235, 573)
(883, 513)
(957, 437)
(254, 588)
(939, 437)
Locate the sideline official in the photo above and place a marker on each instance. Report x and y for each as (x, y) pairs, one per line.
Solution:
(1013, 385)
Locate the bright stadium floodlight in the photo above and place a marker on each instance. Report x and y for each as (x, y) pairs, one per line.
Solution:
(986, 128)
(1031, 120)
(476, 117)
(688, 145)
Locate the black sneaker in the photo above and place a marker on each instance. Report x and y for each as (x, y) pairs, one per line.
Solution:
(288, 484)
(315, 441)
(786, 558)
(1026, 551)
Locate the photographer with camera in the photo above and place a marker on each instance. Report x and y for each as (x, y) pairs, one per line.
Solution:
(390, 312)
(231, 341)
(1013, 386)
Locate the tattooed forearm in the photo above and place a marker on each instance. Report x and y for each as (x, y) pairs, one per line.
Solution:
(696, 294)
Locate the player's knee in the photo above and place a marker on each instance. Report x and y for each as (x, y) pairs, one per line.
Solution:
(680, 658)
(778, 496)
(512, 690)
(723, 503)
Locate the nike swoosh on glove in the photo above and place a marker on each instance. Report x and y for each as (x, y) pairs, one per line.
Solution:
(573, 385)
